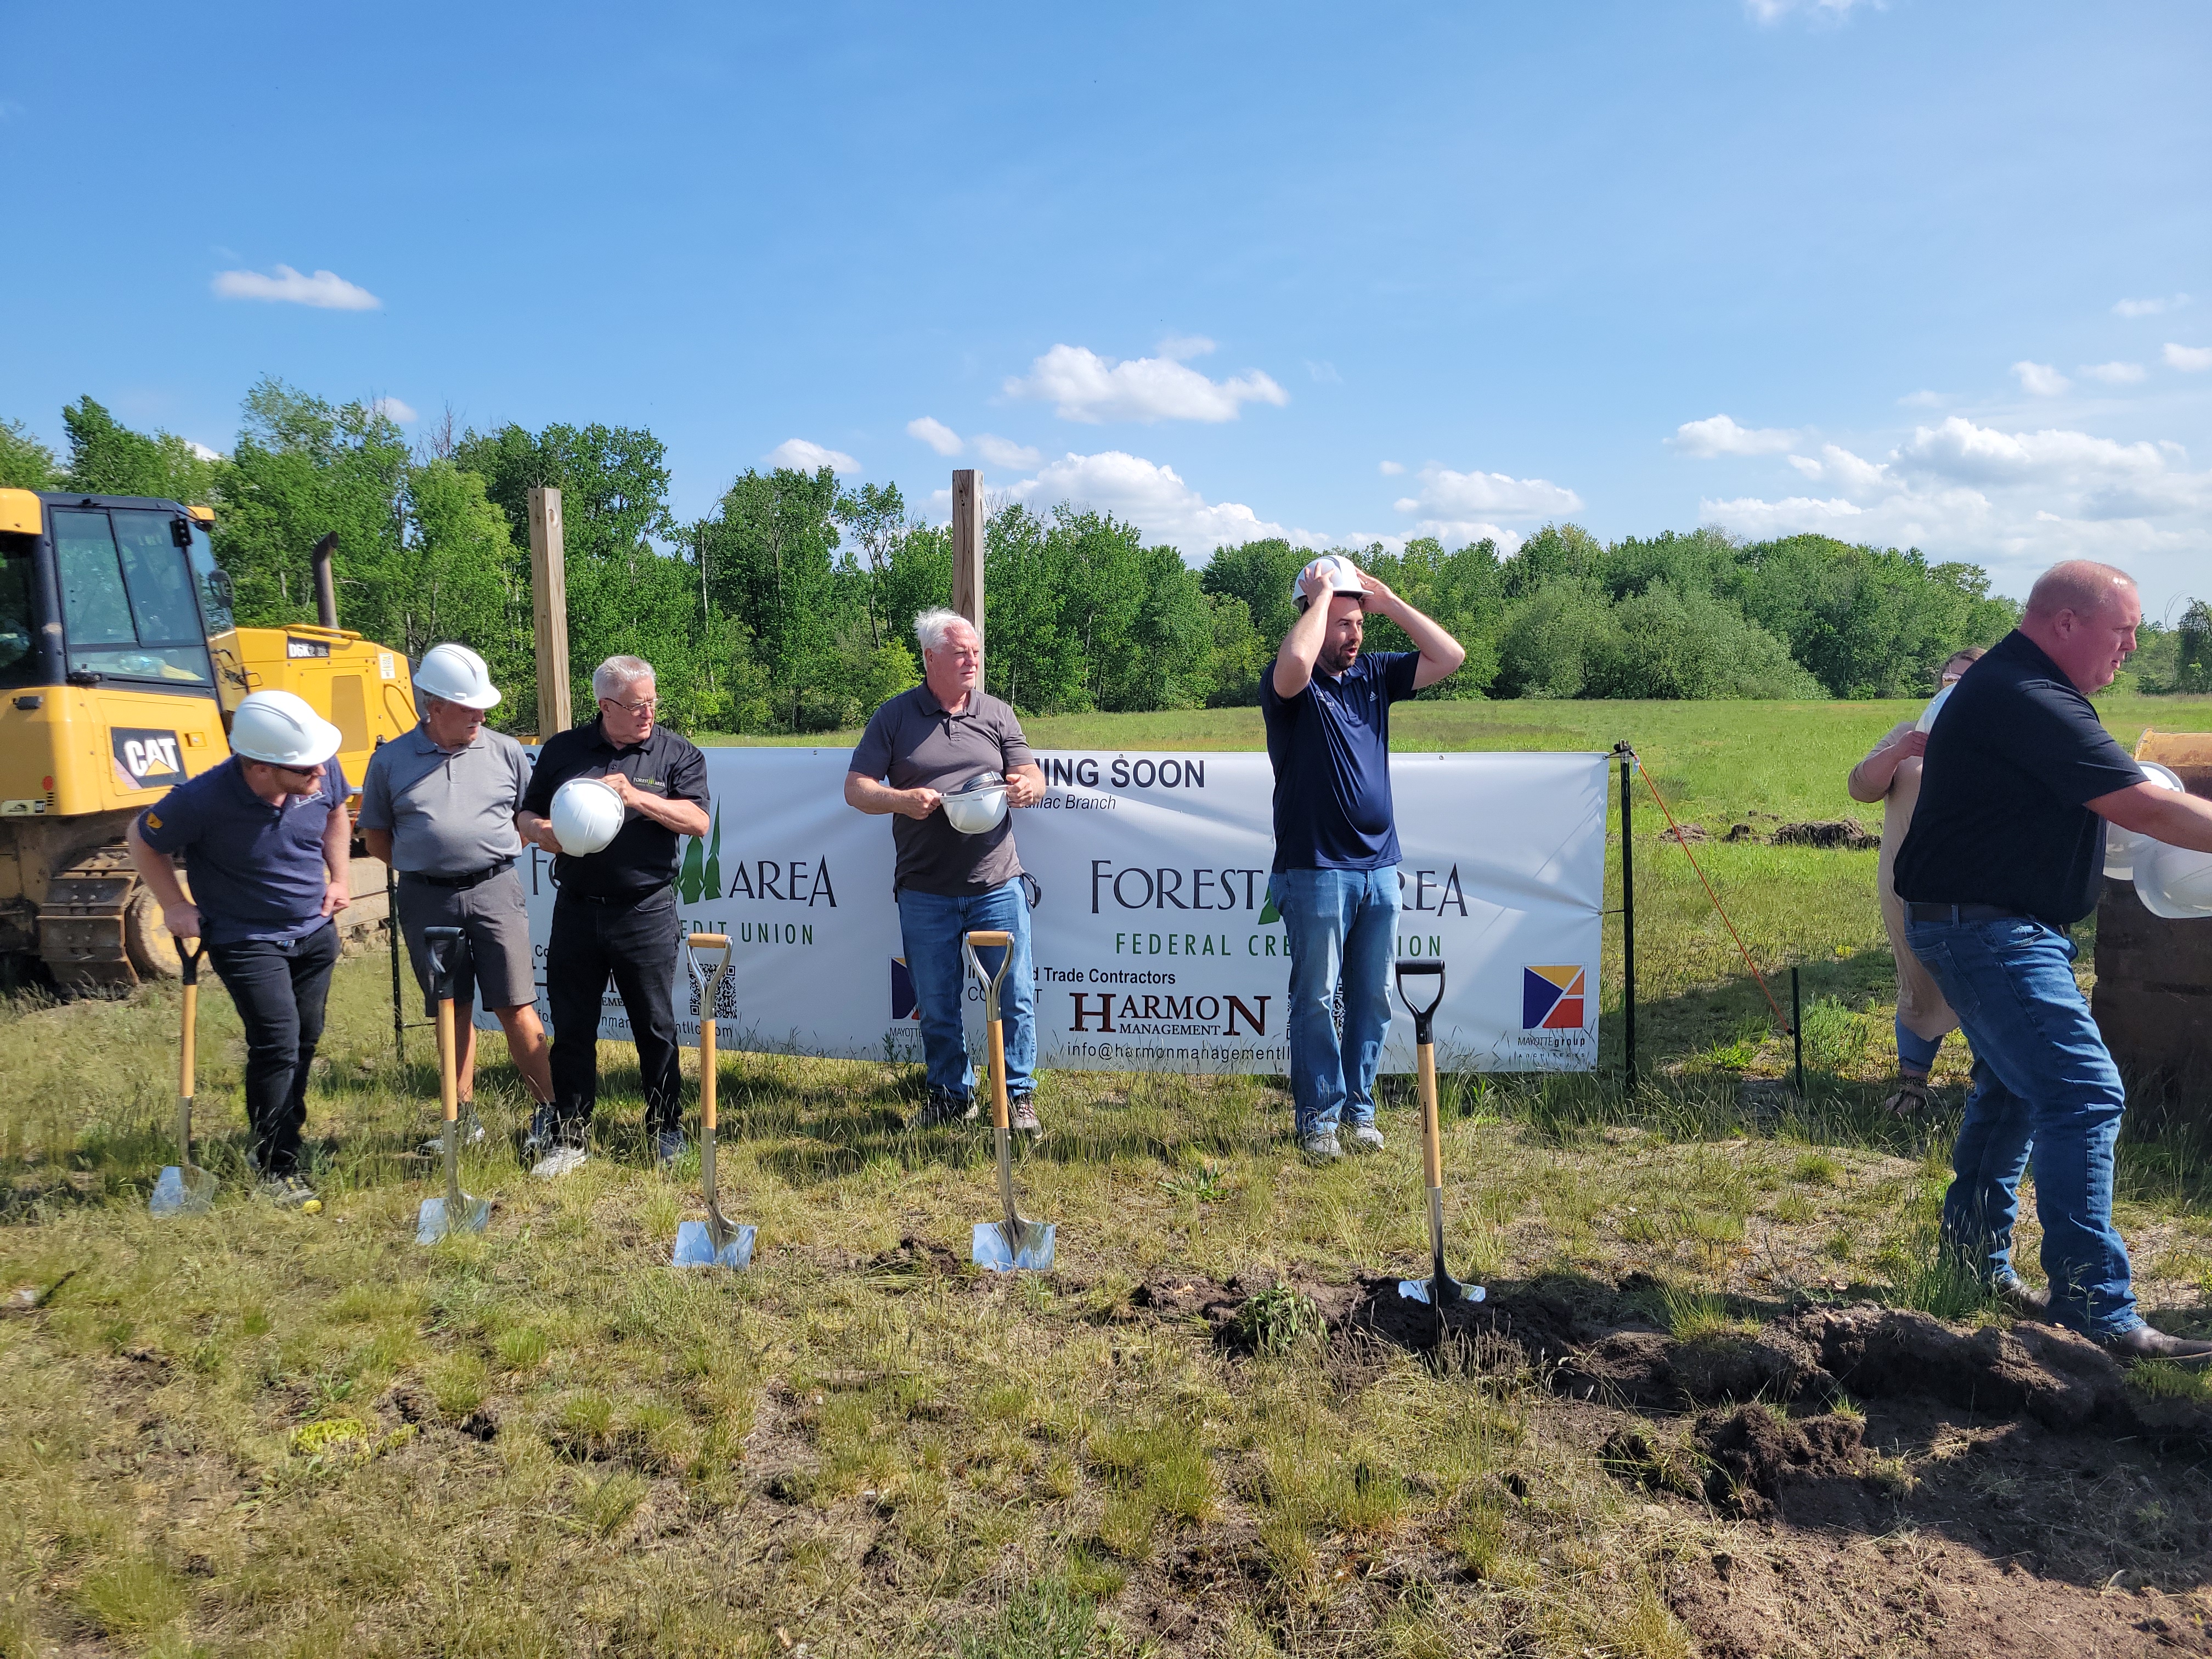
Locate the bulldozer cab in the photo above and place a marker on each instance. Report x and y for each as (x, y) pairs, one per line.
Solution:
(121, 662)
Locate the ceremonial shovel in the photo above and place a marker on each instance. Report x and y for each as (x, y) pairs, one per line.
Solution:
(457, 1212)
(1002, 1246)
(185, 1188)
(713, 1242)
(1440, 1288)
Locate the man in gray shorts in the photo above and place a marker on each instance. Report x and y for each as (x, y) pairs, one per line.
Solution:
(439, 806)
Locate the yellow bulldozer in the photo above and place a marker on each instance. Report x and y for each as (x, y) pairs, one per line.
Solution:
(121, 665)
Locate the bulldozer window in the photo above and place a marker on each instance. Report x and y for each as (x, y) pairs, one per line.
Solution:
(17, 622)
(127, 604)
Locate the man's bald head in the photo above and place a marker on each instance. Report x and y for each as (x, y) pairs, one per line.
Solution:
(2083, 617)
(2082, 586)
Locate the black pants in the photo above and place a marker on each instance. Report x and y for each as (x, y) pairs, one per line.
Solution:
(280, 990)
(634, 943)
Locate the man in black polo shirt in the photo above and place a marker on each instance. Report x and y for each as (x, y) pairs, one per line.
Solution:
(2004, 856)
(615, 912)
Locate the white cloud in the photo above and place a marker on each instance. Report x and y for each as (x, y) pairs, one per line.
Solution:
(1390, 469)
(934, 433)
(1719, 435)
(2040, 379)
(2189, 359)
(1004, 452)
(393, 409)
(1848, 472)
(1081, 386)
(1324, 372)
(1922, 400)
(802, 456)
(1833, 11)
(1459, 497)
(325, 290)
(2013, 501)
(2150, 307)
(203, 451)
(2113, 373)
(1177, 347)
(1452, 532)
(1152, 497)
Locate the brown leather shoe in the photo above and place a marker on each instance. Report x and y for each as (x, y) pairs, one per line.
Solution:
(2144, 1343)
(2026, 1303)
(1908, 1099)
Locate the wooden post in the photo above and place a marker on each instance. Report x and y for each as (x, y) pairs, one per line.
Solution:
(968, 546)
(548, 606)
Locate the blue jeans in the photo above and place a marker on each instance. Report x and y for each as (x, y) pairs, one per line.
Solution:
(1341, 927)
(933, 928)
(2042, 1079)
(1916, 1054)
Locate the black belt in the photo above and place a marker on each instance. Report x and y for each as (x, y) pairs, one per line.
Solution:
(474, 878)
(635, 895)
(1917, 911)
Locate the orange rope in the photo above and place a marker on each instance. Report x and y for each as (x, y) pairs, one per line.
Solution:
(1680, 840)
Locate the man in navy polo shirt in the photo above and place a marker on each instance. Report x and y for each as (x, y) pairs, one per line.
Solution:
(2004, 856)
(267, 842)
(1335, 880)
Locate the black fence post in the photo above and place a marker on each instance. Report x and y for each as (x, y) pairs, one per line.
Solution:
(1628, 907)
(1797, 1031)
(391, 923)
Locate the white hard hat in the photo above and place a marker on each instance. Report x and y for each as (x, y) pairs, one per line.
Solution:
(2123, 847)
(978, 805)
(1926, 721)
(586, 816)
(1343, 577)
(279, 728)
(453, 673)
(2174, 882)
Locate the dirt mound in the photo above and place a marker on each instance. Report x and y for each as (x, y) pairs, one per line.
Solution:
(918, 1257)
(2060, 1380)
(1847, 834)
(1537, 1324)
(1752, 1451)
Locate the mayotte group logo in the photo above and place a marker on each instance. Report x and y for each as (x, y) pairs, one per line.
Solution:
(1552, 998)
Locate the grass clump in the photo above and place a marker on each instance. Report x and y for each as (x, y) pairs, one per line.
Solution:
(1047, 1620)
(1276, 1320)
(132, 1597)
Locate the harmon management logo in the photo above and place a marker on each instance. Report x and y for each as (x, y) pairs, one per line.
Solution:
(1552, 998)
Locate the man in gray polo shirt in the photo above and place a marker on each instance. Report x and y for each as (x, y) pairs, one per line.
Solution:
(438, 804)
(921, 746)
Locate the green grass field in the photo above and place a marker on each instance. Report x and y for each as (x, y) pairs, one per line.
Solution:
(256, 1433)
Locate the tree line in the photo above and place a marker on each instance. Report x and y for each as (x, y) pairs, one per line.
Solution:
(787, 608)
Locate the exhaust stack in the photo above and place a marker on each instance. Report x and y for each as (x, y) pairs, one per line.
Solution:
(326, 591)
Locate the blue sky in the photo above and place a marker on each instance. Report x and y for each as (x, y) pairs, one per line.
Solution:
(1928, 272)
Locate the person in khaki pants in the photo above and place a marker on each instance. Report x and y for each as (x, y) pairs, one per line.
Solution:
(1890, 774)
(438, 804)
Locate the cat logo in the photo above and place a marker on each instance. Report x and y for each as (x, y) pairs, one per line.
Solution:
(145, 759)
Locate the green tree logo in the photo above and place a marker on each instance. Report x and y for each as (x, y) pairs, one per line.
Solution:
(701, 877)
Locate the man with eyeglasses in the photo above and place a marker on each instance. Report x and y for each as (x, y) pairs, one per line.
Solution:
(616, 913)
(268, 844)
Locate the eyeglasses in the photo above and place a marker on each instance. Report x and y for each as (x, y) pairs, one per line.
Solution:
(644, 706)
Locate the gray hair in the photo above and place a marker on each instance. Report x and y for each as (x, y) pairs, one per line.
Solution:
(617, 674)
(934, 628)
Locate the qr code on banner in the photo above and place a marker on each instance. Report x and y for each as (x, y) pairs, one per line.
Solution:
(725, 999)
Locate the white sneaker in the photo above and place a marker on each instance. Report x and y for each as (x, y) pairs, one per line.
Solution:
(1321, 1149)
(561, 1160)
(1364, 1137)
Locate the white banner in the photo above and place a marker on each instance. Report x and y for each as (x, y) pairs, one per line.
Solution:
(1155, 945)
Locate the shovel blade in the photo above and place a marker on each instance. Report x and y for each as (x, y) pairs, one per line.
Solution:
(437, 1218)
(1026, 1245)
(178, 1191)
(695, 1247)
(1438, 1292)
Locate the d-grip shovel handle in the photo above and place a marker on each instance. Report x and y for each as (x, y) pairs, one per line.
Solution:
(1425, 1038)
(710, 990)
(990, 940)
(442, 946)
(187, 1055)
